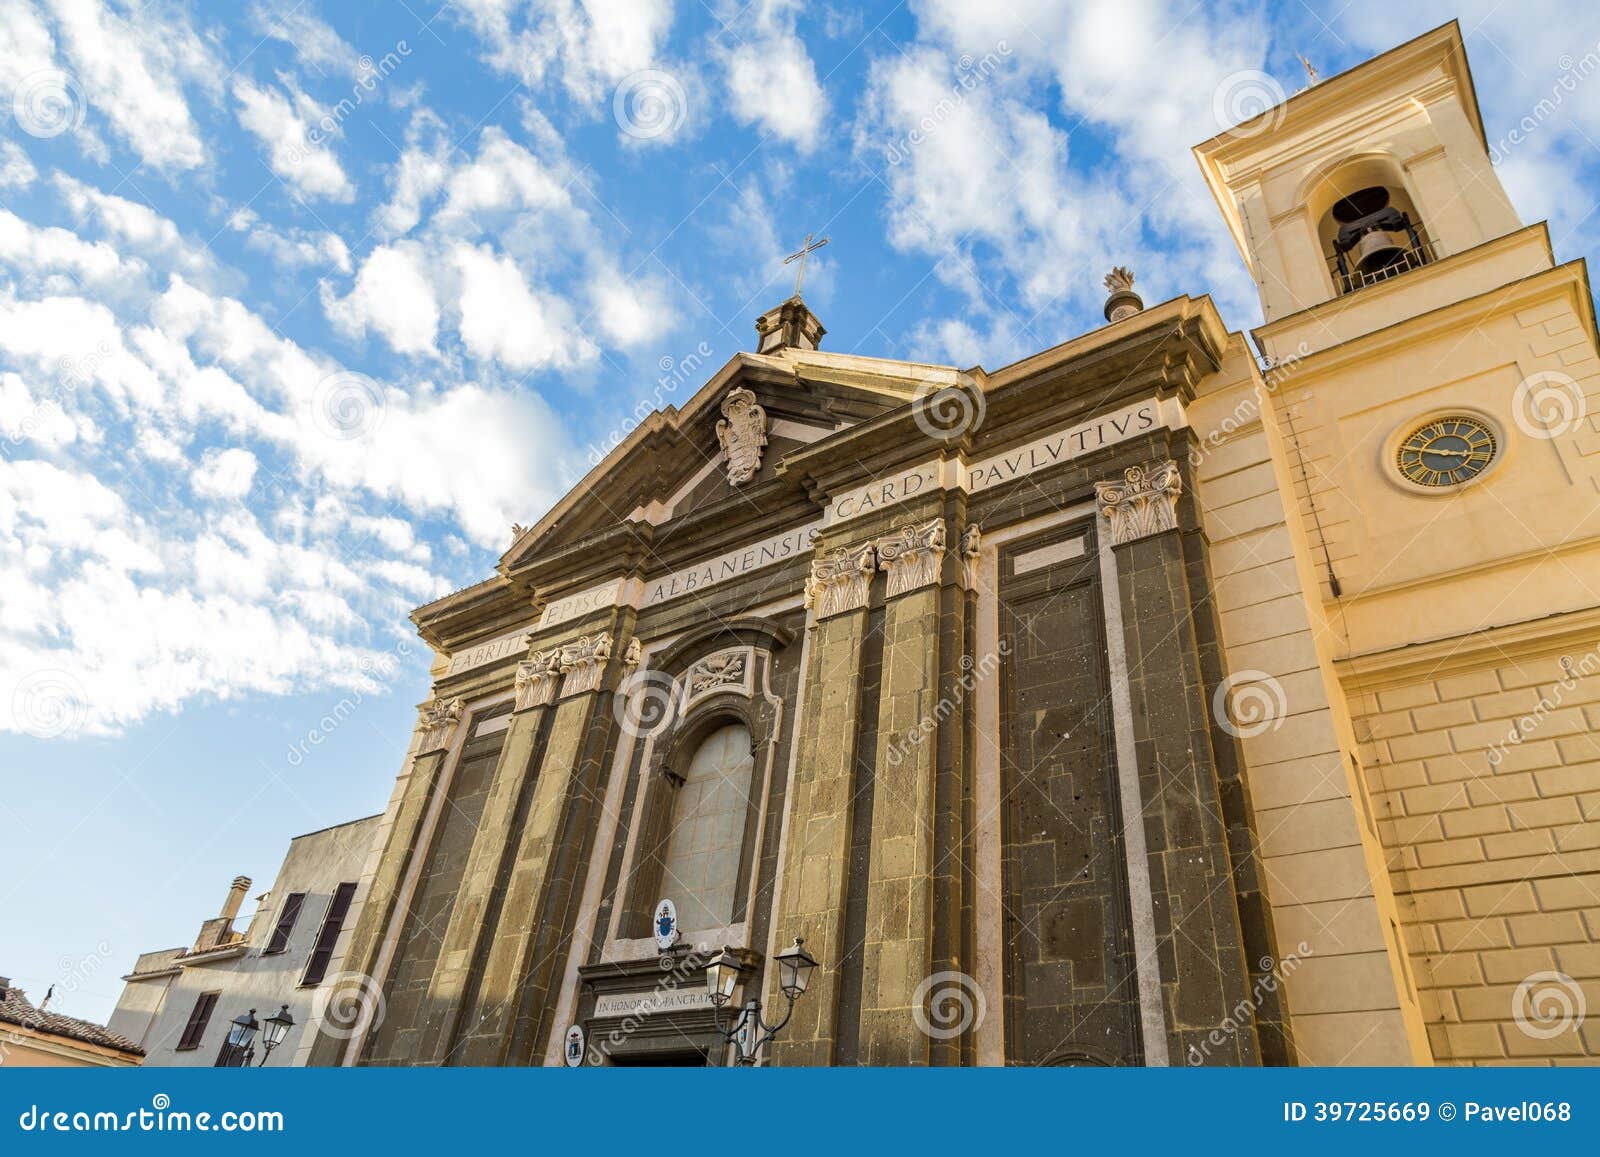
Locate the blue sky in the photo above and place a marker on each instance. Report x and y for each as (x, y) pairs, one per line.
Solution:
(303, 304)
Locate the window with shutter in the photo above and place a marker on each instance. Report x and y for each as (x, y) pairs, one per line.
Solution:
(199, 1017)
(285, 925)
(328, 935)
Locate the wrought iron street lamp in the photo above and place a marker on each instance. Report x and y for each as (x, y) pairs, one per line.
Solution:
(241, 1052)
(241, 1040)
(278, 1026)
(749, 1031)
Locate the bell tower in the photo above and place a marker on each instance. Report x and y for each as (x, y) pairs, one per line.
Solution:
(1361, 178)
(1433, 404)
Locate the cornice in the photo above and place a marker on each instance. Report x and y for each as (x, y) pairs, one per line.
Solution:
(1402, 665)
(1570, 280)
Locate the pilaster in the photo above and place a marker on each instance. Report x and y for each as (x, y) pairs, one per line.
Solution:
(475, 912)
(816, 863)
(375, 903)
(899, 927)
(1200, 945)
(513, 975)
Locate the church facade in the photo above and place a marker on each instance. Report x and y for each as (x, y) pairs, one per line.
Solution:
(1133, 704)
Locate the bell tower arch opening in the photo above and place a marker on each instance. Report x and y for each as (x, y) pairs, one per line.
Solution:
(1368, 226)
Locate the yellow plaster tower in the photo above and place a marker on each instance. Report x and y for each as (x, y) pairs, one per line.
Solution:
(1435, 385)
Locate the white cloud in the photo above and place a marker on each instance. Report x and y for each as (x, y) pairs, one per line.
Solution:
(292, 248)
(539, 298)
(961, 127)
(590, 45)
(502, 318)
(770, 75)
(394, 295)
(16, 170)
(40, 420)
(291, 128)
(416, 177)
(133, 68)
(137, 608)
(225, 473)
(314, 42)
(136, 228)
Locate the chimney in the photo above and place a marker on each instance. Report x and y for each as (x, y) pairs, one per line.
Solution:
(236, 892)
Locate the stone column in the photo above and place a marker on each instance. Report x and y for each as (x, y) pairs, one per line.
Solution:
(488, 863)
(374, 906)
(511, 969)
(816, 862)
(899, 930)
(1199, 943)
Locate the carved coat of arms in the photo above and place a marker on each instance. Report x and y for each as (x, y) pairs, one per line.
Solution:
(742, 433)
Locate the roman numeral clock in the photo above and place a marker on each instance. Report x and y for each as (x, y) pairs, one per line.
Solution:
(1447, 451)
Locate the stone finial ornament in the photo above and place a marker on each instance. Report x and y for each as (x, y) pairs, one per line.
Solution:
(583, 662)
(839, 582)
(437, 721)
(1123, 302)
(537, 678)
(1145, 502)
(742, 433)
(911, 556)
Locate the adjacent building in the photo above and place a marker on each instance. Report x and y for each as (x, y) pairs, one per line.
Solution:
(36, 1037)
(179, 1004)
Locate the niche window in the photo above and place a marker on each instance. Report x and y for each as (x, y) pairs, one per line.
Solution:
(700, 870)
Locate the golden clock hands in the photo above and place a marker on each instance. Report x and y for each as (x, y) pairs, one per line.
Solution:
(1451, 453)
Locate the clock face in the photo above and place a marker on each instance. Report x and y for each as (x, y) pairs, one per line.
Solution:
(1446, 451)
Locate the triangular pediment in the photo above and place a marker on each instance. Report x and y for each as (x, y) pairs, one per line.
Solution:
(672, 463)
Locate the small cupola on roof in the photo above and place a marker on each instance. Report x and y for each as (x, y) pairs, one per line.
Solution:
(791, 325)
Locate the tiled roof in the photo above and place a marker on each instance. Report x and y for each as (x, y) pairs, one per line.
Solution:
(15, 1008)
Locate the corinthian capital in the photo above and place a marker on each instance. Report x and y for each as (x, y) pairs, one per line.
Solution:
(840, 580)
(537, 677)
(1145, 502)
(911, 556)
(436, 721)
(583, 662)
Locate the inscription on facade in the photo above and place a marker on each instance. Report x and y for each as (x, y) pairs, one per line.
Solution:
(734, 564)
(1040, 454)
(644, 1003)
(491, 652)
(600, 598)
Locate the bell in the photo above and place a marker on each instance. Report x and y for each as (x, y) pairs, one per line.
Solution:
(1378, 250)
